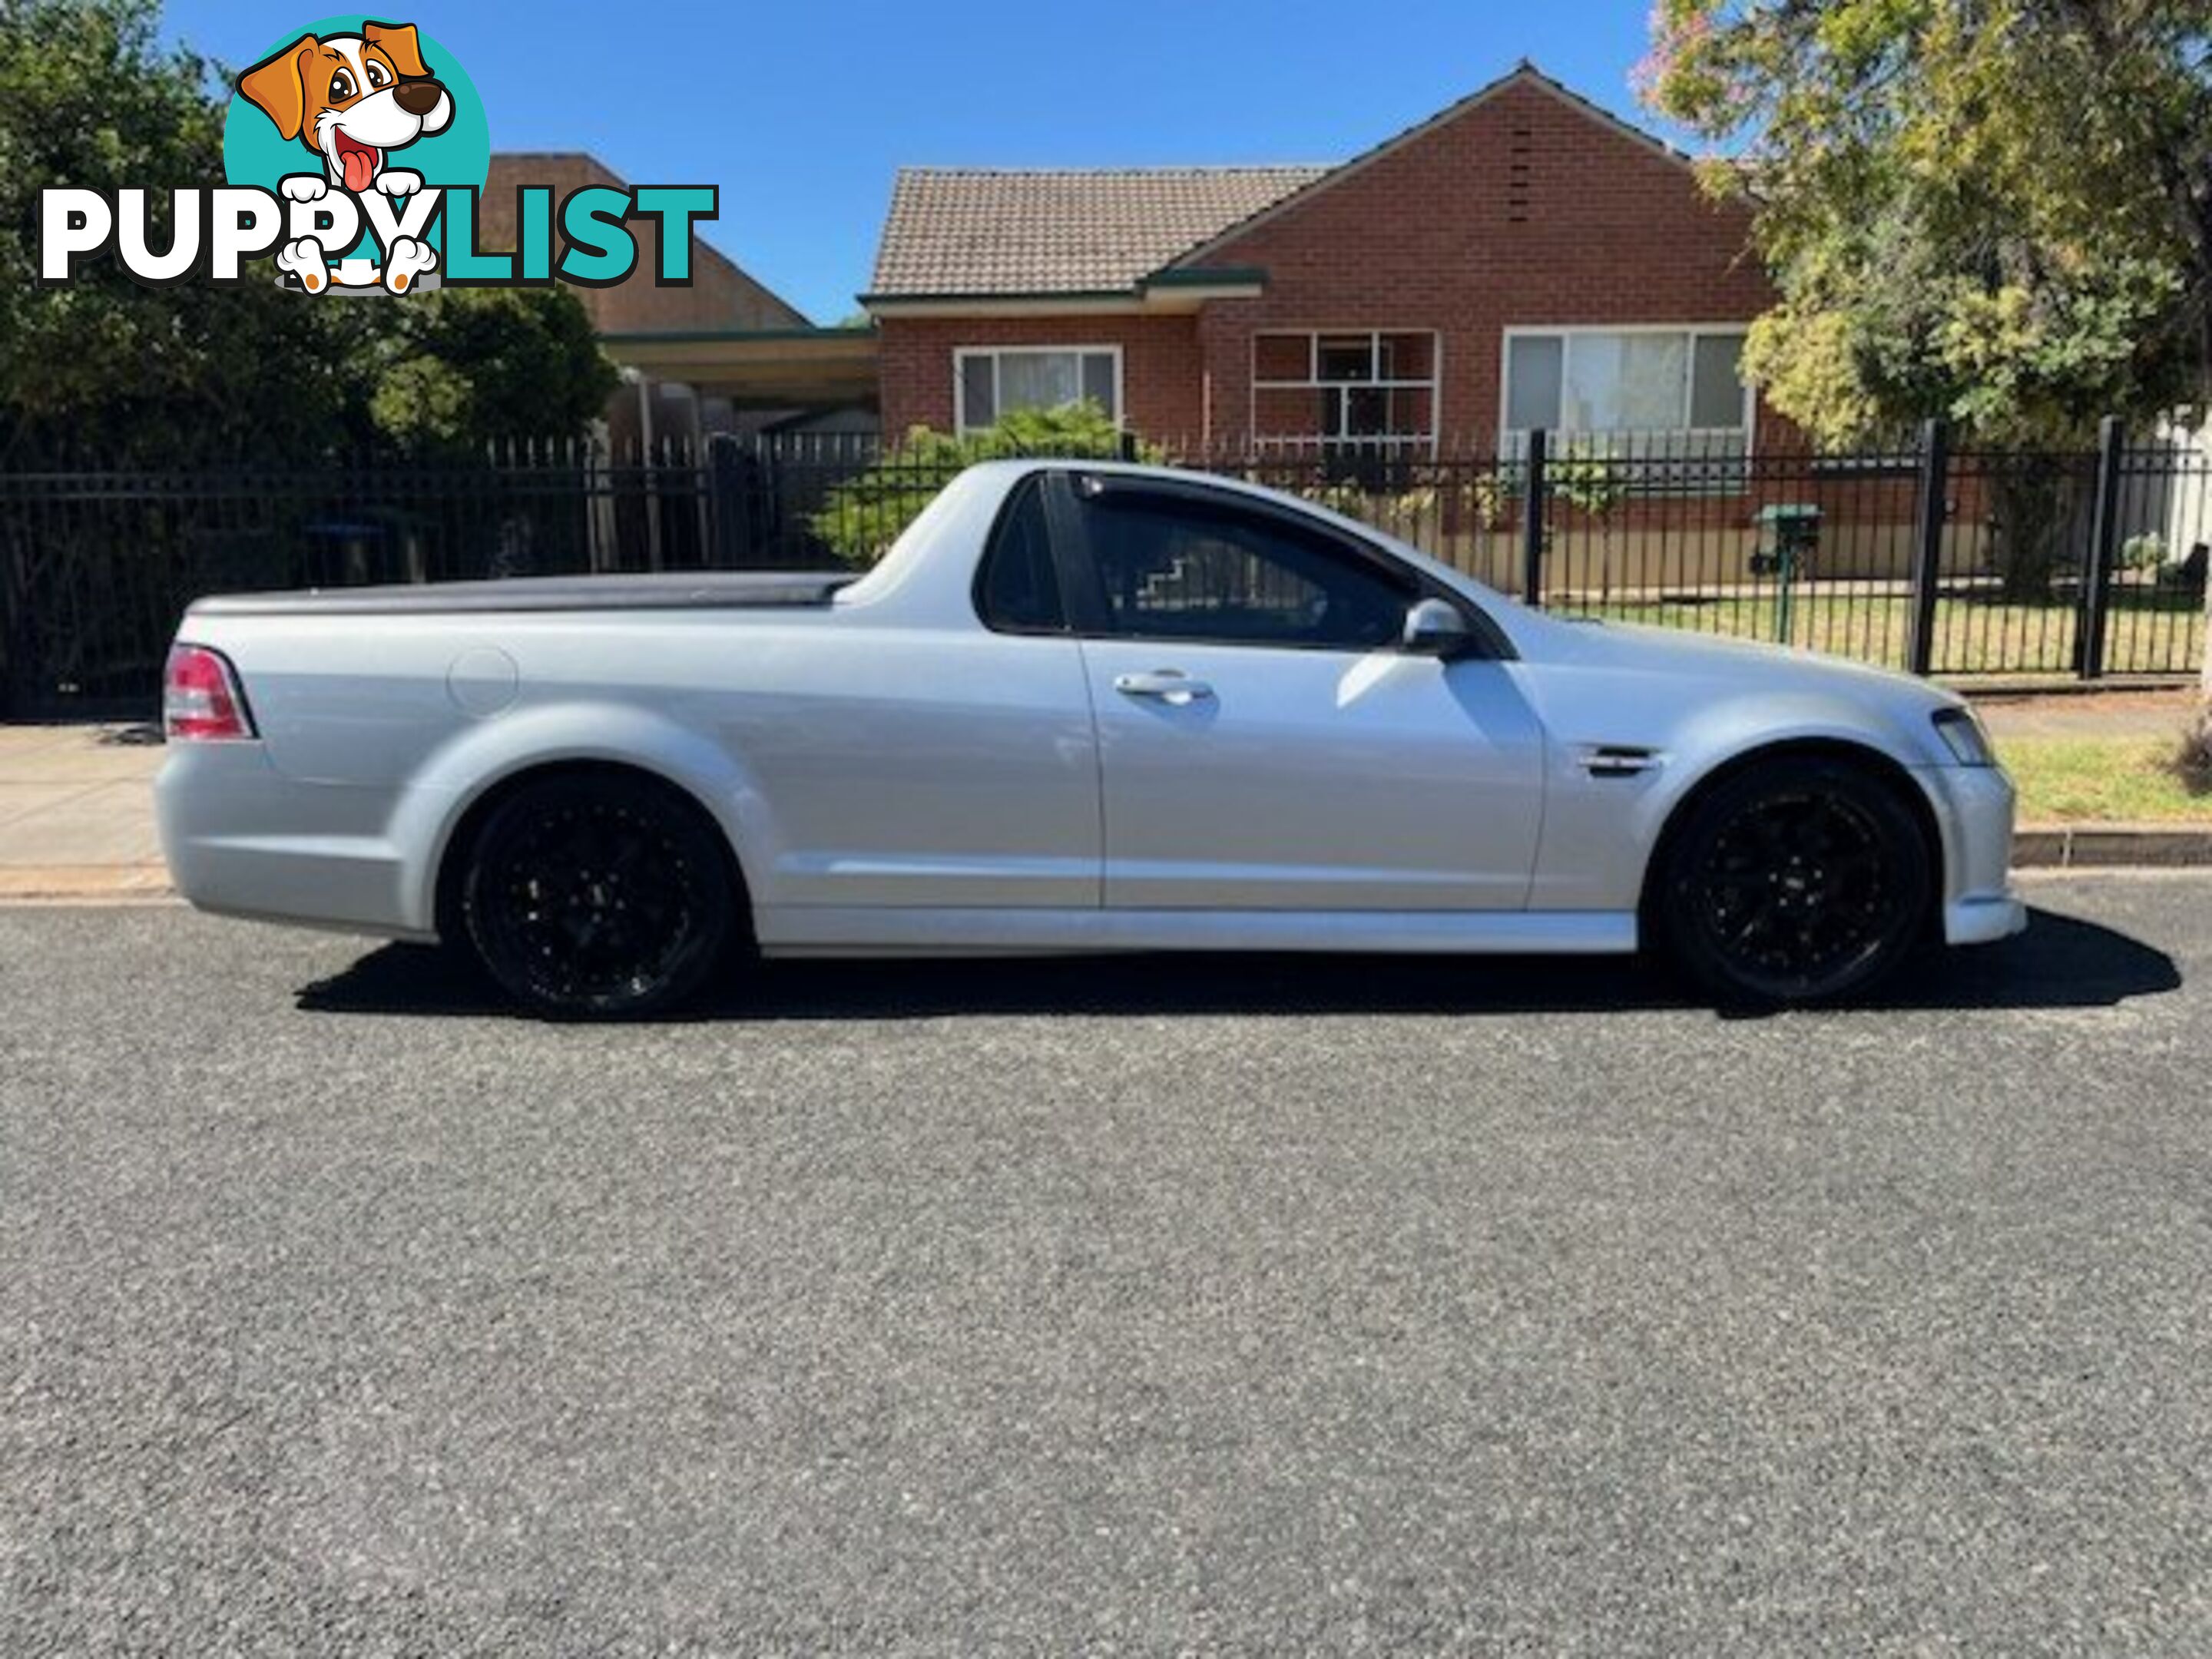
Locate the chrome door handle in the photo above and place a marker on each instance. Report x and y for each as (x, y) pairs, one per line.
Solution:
(1168, 685)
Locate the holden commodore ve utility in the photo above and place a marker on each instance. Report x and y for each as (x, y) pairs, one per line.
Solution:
(1076, 708)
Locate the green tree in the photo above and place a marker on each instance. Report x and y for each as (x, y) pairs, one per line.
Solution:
(864, 515)
(1996, 210)
(107, 371)
(460, 368)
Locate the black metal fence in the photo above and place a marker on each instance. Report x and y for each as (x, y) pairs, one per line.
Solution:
(95, 568)
(1926, 557)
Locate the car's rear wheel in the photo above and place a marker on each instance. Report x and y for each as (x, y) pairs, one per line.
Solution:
(1804, 879)
(595, 895)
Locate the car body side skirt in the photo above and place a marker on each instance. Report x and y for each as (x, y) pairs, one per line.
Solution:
(849, 931)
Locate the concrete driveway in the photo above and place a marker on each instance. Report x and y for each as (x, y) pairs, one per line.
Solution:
(1236, 1305)
(76, 810)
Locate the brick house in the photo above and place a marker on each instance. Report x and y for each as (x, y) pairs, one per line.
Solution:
(1521, 259)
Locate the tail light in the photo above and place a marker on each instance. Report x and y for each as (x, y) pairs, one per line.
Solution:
(200, 699)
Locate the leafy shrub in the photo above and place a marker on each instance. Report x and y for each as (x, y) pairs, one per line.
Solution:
(860, 518)
(1418, 499)
(1587, 476)
(2143, 552)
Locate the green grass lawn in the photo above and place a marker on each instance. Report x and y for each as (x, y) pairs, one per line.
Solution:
(2103, 780)
(2151, 632)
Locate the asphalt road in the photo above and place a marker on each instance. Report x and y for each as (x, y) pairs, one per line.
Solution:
(1215, 1305)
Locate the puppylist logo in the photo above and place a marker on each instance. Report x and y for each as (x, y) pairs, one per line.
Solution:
(350, 100)
(355, 154)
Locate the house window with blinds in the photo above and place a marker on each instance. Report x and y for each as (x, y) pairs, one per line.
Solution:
(1662, 393)
(991, 381)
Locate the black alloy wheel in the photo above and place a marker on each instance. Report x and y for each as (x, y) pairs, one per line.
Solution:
(1803, 880)
(589, 896)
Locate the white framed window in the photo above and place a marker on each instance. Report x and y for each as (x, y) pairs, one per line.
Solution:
(989, 382)
(1636, 390)
(1346, 391)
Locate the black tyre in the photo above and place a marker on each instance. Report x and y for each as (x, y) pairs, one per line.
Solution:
(1802, 880)
(596, 895)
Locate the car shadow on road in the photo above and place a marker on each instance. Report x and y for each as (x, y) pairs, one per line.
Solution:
(2060, 963)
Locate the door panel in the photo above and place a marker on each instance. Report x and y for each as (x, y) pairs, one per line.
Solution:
(1264, 741)
(1244, 777)
(890, 780)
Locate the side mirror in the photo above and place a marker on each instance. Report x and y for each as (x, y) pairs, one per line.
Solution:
(1436, 628)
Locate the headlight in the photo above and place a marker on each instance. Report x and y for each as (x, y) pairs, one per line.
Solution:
(1963, 736)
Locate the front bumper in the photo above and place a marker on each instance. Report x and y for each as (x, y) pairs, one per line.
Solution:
(1974, 807)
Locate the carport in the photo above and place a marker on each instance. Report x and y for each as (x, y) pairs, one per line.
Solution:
(782, 369)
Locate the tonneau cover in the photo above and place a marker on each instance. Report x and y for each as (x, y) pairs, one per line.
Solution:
(681, 590)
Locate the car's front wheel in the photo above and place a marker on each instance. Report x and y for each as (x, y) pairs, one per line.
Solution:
(598, 895)
(1804, 879)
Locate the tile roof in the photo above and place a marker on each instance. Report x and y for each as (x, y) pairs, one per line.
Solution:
(976, 230)
(997, 232)
(1524, 73)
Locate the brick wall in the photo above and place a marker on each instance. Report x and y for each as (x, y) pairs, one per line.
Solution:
(1526, 210)
(1161, 372)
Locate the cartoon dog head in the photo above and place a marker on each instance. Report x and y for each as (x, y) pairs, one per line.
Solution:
(351, 98)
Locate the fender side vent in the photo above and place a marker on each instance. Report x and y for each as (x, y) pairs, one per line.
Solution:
(1618, 759)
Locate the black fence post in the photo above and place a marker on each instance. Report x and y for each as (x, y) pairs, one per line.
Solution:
(730, 513)
(1532, 527)
(2096, 609)
(1928, 542)
(11, 653)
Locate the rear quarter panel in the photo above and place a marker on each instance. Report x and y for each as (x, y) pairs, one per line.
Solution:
(849, 755)
(388, 728)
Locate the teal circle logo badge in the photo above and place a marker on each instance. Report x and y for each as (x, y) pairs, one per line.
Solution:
(360, 126)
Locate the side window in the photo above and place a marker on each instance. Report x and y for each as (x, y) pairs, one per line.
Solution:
(1017, 591)
(1174, 568)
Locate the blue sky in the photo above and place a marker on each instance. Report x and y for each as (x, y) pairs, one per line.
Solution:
(802, 113)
